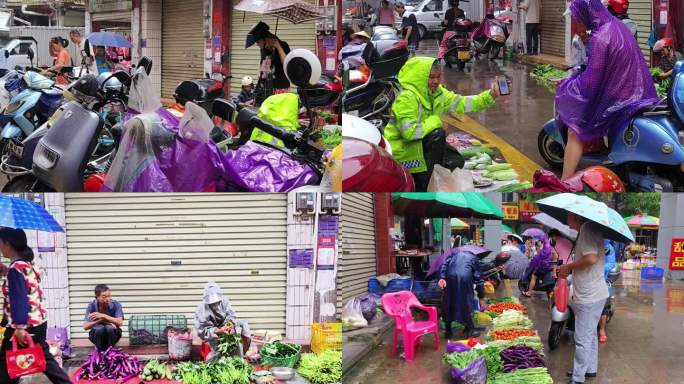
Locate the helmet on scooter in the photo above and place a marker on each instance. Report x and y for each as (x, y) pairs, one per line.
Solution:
(619, 6)
(302, 67)
(86, 88)
(325, 92)
(502, 258)
(109, 83)
(662, 43)
(602, 179)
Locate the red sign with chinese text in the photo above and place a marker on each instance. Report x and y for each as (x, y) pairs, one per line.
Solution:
(510, 212)
(527, 209)
(677, 255)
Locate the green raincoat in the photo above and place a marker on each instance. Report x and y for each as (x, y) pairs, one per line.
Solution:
(281, 110)
(417, 110)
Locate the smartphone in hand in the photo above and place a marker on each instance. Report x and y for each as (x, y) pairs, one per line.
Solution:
(504, 89)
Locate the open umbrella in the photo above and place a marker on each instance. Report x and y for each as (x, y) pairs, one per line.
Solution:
(458, 224)
(548, 221)
(109, 39)
(24, 214)
(613, 225)
(472, 248)
(535, 233)
(294, 11)
(444, 204)
(642, 221)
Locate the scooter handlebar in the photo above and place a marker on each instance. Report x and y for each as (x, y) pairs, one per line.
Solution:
(248, 119)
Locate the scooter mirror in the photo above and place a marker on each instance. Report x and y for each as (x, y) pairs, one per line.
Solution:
(146, 63)
(345, 78)
(223, 109)
(122, 76)
(7, 54)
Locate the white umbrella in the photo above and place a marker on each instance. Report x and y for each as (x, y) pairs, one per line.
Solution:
(548, 221)
(294, 11)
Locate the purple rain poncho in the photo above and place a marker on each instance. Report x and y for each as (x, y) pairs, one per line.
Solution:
(616, 83)
(542, 261)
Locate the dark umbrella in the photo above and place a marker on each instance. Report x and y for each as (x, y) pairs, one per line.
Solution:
(472, 248)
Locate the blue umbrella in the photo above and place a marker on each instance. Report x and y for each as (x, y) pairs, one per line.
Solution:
(614, 226)
(24, 214)
(109, 39)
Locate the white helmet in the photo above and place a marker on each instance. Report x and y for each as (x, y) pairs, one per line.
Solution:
(302, 67)
(247, 80)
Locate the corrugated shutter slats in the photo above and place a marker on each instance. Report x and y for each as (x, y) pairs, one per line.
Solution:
(553, 27)
(358, 262)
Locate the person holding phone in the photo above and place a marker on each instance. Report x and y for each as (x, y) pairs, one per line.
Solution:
(23, 312)
(416, 131)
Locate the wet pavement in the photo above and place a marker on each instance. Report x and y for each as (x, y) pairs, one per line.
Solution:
(646, 340)
(516, 118)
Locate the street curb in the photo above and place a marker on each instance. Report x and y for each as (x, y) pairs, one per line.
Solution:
(540, 60)
(351, 362)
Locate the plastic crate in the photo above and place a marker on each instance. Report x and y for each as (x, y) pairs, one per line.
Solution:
(652, 273)
(326, 336)
(427, 291)
(375, 287)
(289, 362)
(151, 329)
(399, 284)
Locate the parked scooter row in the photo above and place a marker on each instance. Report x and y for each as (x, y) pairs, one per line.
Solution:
(474, 39)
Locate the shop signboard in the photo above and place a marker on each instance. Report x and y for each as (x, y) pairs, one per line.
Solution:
(677, 255)
(510, 211)
(97, 6)
(527, 209)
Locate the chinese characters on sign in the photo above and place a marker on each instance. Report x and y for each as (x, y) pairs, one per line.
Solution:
(510, 211)
(528, 209)
(677, 255)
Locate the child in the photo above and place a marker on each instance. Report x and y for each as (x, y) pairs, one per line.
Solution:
(246, 96)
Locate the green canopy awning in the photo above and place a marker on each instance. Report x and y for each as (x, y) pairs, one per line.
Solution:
(445, 204)
(504, 228)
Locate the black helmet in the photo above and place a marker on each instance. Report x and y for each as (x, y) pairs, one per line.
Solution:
(86, 88)
(325, 92)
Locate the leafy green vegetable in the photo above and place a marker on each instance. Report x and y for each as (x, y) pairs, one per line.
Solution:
(331, 138)
(547, 75)
(228, 370)
(322, 368)
(461, 360)
(229, 344)
(662, 85)
(524, 376)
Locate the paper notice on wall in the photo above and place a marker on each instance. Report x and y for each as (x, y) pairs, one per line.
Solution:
(326, 256)
(330, 64)
(663, 17)
(46, 241)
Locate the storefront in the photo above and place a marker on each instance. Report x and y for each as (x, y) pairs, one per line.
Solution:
(553, 27)
(156, 252)
(358, 234)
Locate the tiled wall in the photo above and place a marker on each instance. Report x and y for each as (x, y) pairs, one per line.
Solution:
(150, 32)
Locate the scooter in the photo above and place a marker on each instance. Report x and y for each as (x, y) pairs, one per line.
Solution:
(490, 37)
(30, 108)
(64, 157)
(458, 47)
(562, 321)
(372, 99)
(492, 269)
(647, 153)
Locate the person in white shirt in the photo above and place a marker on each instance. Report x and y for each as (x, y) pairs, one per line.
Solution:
(532, 13)
(85, 61)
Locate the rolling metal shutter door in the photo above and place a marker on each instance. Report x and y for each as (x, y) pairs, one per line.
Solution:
(124, 16)
(358, 262)
(245, 62)
(129, 241)
(553, 27)
(182, 43)
(640, 11)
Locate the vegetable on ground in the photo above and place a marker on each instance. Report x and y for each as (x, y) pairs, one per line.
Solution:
(112, 364)
(321, 368)
(524, 376)
(500, 307)
(155, 370)
(511, 334)
(521, 357)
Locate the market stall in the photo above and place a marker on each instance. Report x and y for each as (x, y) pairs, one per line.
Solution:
(512, 352)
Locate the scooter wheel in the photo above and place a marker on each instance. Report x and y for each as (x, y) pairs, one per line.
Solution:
(550, 150)
(20, 184)
(555, 334)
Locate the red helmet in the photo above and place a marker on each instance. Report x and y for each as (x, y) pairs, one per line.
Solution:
(662, 43)
(602, 179)
(619, 6)
(369, 168)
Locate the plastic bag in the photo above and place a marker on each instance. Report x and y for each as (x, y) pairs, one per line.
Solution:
(142, 96)
(352, 315)
(180, 344)
(368, 307)
(561, 292)
(455, 346)
(474, 373)
(443, 180)
(60, 336)
(578, 53)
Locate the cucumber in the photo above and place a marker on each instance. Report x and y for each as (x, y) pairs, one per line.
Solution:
(480, 167)
(499, 167)
(469, 165)
(504, 175)
(468, 153)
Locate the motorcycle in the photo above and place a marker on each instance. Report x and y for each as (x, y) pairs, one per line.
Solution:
(65, 152)
(489, 37)
(37, 100)
(368, 162)
(492, 269)
(458, 47)
(647, 153)
(562, 321)
(372, 99)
